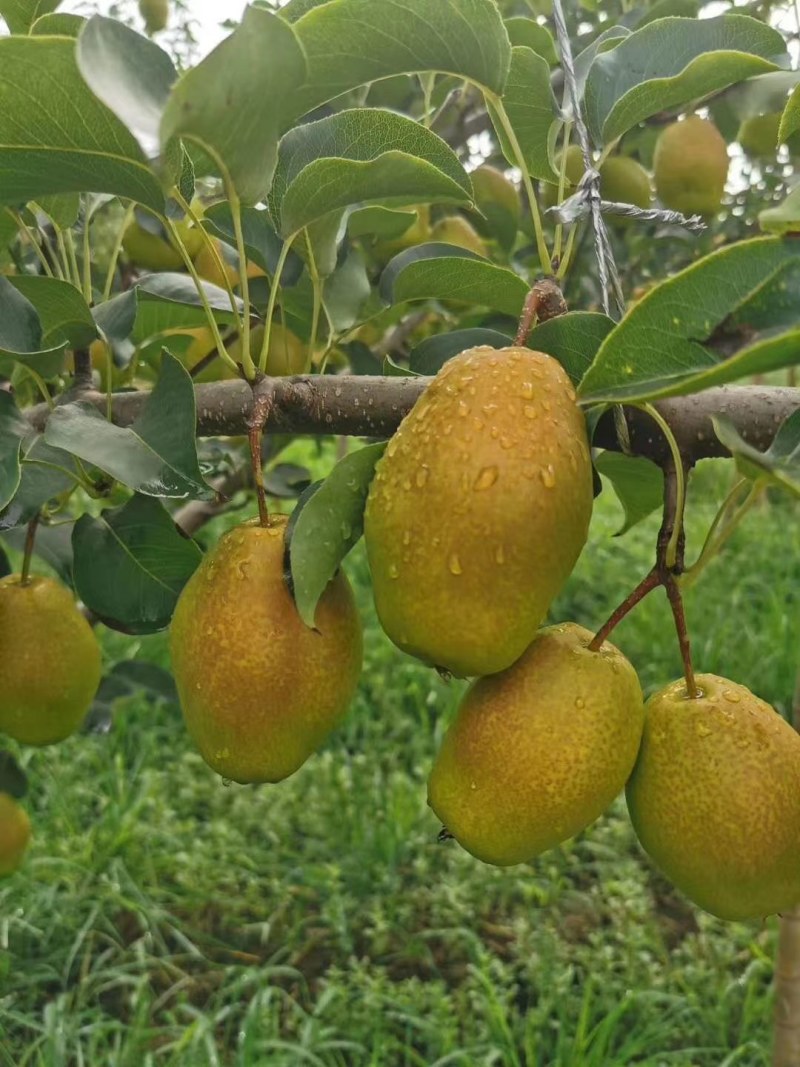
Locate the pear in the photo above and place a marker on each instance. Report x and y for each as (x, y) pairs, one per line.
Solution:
(15, 833)
(538, 752)
(479, 509)
(622, 179)
(260, 691)
(455, 230)
(497, 199)
(715, 798)
(155, 14)
(690, 166)
(50, 661)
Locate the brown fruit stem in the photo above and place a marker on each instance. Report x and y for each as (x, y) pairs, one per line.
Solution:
(647, 585)
(676, 603)
(30, 538)
(544, 301)
(263, 394)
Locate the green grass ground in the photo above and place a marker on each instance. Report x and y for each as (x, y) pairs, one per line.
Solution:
(164, 919)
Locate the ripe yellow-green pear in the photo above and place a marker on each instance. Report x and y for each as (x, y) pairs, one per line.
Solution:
(260, 690)
(50, 661)
(479, 509)
(690, 167)
(152, 251)
(286, 354)
(15, 833)
(538, 752)
(758, 136)
(155, 14)
(417, 233)
(715, 798)
(497, 199)
(455, 230)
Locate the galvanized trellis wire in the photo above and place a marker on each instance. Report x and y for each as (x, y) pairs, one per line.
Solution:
(587, 200)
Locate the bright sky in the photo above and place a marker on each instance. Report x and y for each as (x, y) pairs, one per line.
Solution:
(206, 13)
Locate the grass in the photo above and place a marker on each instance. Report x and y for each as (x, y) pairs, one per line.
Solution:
(163, 919)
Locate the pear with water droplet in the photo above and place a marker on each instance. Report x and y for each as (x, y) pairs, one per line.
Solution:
(260, 690)
(479, 509)
(15, 833)
(715, 798)
(538, 752)
(49, 661)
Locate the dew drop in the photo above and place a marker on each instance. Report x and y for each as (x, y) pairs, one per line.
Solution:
(209, 631)
(731, 696)
(406, 483)
(463, 409)
(495, 433)
(506, 442)
(499, 555)
(526, 390)
(422, 476)
(454, 563)
(407, 537)
(473, 785)
(529, 411)
(393, 571)
(346, 530)
(548, 476)
(486, 479)
(580, 703)
(702, 729)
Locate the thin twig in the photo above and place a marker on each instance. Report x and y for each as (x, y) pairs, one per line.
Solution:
(263, 397)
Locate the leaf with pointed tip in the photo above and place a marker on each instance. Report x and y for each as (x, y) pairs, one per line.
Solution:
(358, 156)
(780, 464)
(327, 522)
(64, 209)
(231, 103)
(130, 74)
(58, 25)
(261, 242)
(661, 347)
(46, 473)
(22, 337)
(790, 120)
(64, 315)
(12, 430)
(446, 272)
(531, 109)
(573, 339)
(672, 61)
(20, 15)
(638, 483)
(131, 563)
(528, 33)
(430, 355)
(157, 455)
(785, 217)
(56, 136)
(352, 42)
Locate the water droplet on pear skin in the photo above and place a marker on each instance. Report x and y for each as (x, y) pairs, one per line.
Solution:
(499, 555)
(407, 537)
(526, 390)
(702, 729)
(393, 571)
(454, 563)
(422, 476)
(731, 696)
(486, 478)
(548, 476)
(529, 411)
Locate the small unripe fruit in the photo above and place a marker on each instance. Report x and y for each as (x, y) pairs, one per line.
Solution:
(690, 166)
(455, 230)
(155, 14)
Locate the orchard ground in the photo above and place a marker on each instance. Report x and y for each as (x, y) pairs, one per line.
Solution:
(164, 919)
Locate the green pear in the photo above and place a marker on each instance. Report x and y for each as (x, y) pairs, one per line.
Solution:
(260, 690)
(622, 179)
(479, 508)
(455, 230)
(715, 798)
(50, 658)
(155, 14)
(690, 167)
(15, 834)
(538, 752)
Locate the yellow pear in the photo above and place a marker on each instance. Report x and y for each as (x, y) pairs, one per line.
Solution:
(455, 230)
(260, 691)
(155, 14)
(50, 661)
(479, 508)
(715, 798)
(155, 251)
(286, 354)
(538, 752)
(417, 233)
(15, 833)
(690, 165)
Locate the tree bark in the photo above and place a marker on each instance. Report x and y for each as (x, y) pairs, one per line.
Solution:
(372, 406)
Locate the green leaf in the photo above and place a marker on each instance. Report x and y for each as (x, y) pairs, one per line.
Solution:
(327, 522)
(13, 779)
(130, 74)
(64, 315)
(346, 291)
(20, 15)
(131, 564)
(56, 136)
(638, 483)
(430, 355)
(21, 334)
(12, 430)
(529, 34)
(573, 339)
(378, 221)
(661, 346)
(352, 42)
(157, 455)
(161, 302)
(261, 242)
(790, 120)
(780, 464)
(230, 104)
(672, 61)
(63, 209)
(531, 109)
(46, 473)
(445, 272)
(785, 218)
(53, 545)
(58, 25)
(359, 156)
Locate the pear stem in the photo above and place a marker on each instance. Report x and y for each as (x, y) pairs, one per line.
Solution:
(544, 301)
(647, 585)
(30, 538)
(263, 395)
(676, 603)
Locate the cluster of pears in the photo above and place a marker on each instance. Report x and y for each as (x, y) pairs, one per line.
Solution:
(50, 673)
(690, 168)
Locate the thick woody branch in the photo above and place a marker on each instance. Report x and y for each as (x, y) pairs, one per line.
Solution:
(371, 406)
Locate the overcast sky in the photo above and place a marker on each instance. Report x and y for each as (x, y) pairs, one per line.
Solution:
(207, 13)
